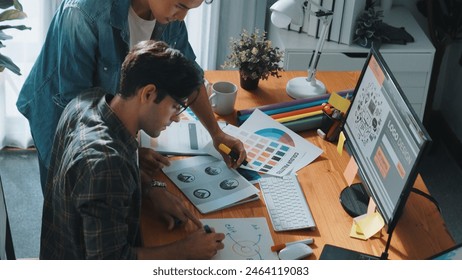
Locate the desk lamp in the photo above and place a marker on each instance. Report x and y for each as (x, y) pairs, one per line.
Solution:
(286, 13)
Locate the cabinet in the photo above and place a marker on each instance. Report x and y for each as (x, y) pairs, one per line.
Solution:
(411, 64)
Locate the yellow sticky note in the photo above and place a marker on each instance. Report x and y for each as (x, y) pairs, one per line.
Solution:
(350, 171)
(341, 142)
(338, 102)
(369, 224)
(355, 232)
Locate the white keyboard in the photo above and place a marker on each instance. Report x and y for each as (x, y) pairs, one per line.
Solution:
(286, 204)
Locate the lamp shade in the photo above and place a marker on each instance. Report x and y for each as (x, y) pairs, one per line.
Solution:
(280, 20)
(285, 12)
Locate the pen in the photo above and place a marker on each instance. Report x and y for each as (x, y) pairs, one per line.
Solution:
(207, 229)
(282, 246)
(225, 149)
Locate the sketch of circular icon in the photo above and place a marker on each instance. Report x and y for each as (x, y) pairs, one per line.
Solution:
(213, 170)
(186, 177)
(201, 193)
(247, 248)
(229, 184)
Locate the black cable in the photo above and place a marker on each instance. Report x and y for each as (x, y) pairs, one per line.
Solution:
(427, 196)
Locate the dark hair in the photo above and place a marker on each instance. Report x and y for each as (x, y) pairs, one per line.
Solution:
(153, 62)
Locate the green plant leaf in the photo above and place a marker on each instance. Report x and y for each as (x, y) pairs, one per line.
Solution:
(17, 5)
(4, 36)
(19, 27)
(4, 4)
(12, 14)
(9, 64)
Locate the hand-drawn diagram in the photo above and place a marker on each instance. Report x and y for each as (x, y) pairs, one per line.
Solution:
(246, 239)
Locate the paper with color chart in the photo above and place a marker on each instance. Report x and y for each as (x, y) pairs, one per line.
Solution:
(263, 125)
(245, 239)
(263, 154)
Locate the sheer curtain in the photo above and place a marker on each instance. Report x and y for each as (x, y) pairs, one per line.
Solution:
(211, 26)
(23, 50)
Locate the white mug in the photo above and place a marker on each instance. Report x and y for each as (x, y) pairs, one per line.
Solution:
(222, 97)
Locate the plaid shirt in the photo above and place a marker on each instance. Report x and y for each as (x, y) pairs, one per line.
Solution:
(93, 196)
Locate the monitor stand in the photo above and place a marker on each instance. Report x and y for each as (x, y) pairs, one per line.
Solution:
(354, 200)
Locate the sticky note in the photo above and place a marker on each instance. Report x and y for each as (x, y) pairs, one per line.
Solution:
(356, 232)
(338, 102)
(368, 224)
(371, 207)
(350, 171)
(341, 142)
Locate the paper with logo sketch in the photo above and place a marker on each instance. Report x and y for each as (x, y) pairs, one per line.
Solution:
(209, 184)
(245, 238)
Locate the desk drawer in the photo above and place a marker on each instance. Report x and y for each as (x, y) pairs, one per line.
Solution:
(327, 61)
(413, 94)
(416, 62)
(397, 62)
(411, 79)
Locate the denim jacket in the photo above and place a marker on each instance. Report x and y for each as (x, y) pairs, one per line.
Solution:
(85, 46)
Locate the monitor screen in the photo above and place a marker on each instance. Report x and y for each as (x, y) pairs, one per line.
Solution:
(385, 137)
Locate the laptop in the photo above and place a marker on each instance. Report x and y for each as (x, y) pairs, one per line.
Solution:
(332, 252)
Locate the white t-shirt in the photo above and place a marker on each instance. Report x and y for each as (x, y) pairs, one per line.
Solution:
(140, 29)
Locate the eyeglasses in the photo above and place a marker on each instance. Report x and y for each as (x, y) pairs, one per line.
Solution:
(183, 104)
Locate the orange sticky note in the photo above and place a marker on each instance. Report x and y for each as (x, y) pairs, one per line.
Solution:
(371, 206)
(350, 171)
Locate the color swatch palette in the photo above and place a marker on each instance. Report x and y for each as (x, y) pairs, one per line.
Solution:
(266, 155)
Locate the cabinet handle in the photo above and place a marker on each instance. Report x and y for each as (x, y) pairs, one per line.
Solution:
(355, 54)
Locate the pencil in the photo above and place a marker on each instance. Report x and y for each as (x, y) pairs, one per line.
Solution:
(225, 149)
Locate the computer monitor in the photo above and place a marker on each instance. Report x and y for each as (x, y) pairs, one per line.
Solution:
(385, 138)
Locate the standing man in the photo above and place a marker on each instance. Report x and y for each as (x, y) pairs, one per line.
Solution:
(85, 46)
(93, 195)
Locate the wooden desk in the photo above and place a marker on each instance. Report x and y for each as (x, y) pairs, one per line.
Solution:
(420, 233)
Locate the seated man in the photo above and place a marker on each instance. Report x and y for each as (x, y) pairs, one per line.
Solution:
(93, 193)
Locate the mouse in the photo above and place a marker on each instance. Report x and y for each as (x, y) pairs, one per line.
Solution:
(295, 251)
